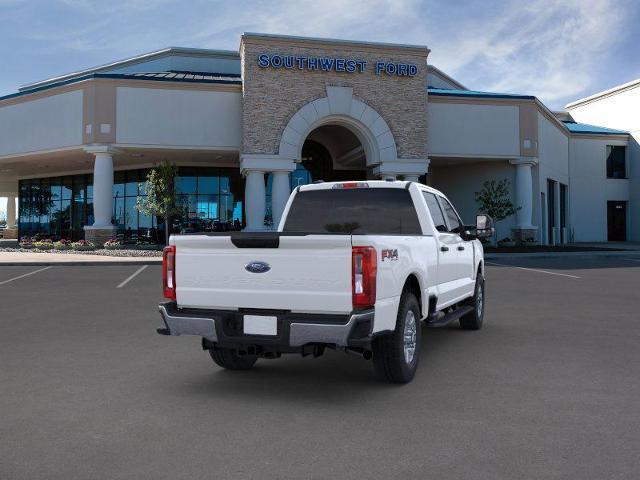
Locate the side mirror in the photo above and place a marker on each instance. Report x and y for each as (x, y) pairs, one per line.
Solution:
(484, 226)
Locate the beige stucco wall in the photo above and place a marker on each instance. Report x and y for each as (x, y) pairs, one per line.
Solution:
(178, 117)
(272, 96)
(50, 122)
(460, 129)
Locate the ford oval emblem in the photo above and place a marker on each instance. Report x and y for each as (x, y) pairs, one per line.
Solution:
(257, 267)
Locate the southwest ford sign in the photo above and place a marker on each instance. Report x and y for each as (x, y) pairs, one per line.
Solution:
(334, 64)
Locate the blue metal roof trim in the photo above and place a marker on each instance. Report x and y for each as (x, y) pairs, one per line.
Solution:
(585, 128)
(444, 92)
(225, 80)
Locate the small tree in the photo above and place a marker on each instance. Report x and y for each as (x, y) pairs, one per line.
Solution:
(495, 199)
(160, 199)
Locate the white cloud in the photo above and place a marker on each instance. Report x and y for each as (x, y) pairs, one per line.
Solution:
(546, 48)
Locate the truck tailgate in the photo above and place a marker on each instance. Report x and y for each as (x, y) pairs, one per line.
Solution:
(307, 273)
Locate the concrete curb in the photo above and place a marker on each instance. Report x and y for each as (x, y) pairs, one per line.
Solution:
(617, 253)
(88, 263)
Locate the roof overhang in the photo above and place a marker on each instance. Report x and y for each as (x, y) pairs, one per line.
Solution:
(606, 93)
(145, 57)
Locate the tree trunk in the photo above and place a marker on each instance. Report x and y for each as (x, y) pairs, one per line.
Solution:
(166, 230)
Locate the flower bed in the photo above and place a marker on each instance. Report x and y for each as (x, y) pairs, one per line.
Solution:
(83, 245)
(112, 248)
(99, 252)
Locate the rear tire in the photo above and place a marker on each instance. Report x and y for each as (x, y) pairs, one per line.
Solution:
(396, 355)
(229, 359)
(473, 320)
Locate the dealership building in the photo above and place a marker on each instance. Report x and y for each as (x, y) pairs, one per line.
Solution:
(246, 127)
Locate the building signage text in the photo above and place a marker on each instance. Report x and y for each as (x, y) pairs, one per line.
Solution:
(333, 64)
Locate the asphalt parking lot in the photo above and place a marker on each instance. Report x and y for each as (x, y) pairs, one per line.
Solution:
(549, 388)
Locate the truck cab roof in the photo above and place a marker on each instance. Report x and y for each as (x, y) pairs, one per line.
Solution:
(365, 184)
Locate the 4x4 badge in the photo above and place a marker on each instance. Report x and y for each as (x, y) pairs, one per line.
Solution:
(389, 254)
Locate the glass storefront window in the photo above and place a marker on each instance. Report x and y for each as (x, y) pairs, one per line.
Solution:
(59, 207)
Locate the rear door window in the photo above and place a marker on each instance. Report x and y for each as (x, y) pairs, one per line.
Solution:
(375, 211)
(455, 225)
(436, 212)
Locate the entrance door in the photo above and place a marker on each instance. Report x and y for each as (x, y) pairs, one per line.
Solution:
(551, 211)
(617, 221)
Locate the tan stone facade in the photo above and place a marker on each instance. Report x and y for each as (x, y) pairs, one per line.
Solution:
(272, 96)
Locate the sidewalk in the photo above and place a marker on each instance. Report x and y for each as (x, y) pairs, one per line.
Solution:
(37, 259)
(635, 254)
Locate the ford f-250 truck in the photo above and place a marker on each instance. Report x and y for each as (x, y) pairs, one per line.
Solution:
(354, 266)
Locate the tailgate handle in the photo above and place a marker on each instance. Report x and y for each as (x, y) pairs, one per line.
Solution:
(256, 239)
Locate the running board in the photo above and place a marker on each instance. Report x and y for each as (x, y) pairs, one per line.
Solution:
(441, 319)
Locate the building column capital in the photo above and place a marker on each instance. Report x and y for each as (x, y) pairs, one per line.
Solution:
(101, 149)
(531, 161)
(265, 163)
(409, 167)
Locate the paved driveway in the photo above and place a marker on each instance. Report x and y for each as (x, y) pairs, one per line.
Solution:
(548, 389)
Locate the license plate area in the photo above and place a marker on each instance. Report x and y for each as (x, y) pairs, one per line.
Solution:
(260, 325)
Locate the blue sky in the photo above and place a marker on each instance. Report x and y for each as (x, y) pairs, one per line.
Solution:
(556, 50)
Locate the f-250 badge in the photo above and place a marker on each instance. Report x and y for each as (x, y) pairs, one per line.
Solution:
(389, 254)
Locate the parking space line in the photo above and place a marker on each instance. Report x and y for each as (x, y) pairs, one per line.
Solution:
(25, 275)
(132, 276)
(533, 270)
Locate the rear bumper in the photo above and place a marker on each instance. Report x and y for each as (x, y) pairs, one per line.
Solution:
(295, 330)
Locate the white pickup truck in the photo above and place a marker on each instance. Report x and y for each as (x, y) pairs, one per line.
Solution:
(353, 266)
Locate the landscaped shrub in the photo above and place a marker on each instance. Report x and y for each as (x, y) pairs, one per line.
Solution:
(147, 246)
(113, 244)
(26, 242)
(62, 245)
(46, 244)
(83, 245)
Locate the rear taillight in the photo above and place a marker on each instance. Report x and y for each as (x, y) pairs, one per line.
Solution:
(169, 272)
(363, 282)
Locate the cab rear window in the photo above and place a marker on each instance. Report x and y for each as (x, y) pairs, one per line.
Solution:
(372, 211)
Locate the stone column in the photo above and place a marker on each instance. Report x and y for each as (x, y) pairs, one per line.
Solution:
(280, 191)
(254, 166)
(102, 228)
(11, 232)
(524, 230)
(11, 212)
(255, 200)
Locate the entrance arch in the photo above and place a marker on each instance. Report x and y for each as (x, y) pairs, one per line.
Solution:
(340, 108)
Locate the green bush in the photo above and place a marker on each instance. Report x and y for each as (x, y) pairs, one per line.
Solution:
(62, 245)
(83, 245)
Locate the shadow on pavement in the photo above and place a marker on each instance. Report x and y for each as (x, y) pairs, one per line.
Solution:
(334, 378)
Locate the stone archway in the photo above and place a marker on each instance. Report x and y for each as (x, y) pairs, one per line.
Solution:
(339, 107)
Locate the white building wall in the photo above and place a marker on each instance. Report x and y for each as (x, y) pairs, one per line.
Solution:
(459, 183)
(620, 111)
(43, 124)
(188, 118)
(553, 163)
(472, 129)
(590, 189)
